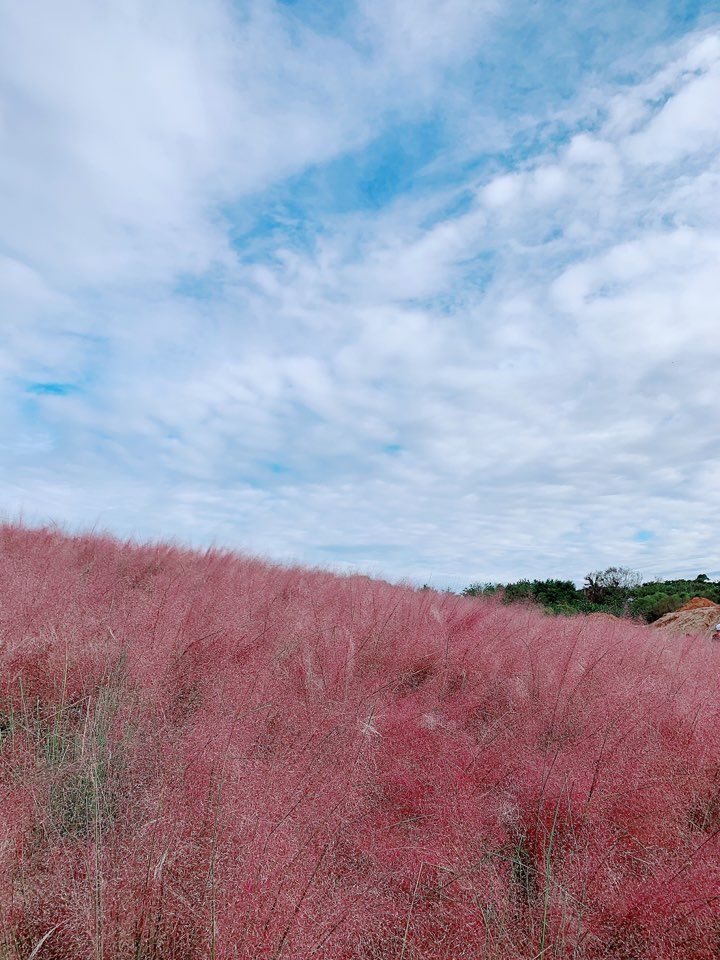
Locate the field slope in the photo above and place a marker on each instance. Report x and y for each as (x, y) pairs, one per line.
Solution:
(206, 756)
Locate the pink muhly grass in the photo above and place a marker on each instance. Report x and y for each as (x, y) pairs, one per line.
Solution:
(203, 755)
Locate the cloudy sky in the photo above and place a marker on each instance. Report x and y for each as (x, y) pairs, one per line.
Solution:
(428, 288)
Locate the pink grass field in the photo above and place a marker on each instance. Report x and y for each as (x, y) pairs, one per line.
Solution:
(205, 755)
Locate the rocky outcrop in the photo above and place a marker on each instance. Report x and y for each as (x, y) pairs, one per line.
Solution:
(698, 617)
(696, 603)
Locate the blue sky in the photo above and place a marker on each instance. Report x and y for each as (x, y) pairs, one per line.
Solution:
(425, 289)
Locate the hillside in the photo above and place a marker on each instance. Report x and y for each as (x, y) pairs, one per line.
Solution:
(203, 755)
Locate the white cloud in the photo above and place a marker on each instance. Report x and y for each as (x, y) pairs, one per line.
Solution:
(687, 124)
(493, 377)
(125, 125)
(433, 32)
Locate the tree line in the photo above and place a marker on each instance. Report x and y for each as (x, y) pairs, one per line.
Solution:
(615, 590)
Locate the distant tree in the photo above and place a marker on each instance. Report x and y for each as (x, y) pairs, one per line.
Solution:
(614, 583)
(552, 593)
(481, 589)
(522, 590)
(702, 578)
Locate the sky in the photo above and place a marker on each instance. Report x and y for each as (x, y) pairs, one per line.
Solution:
(428, 289)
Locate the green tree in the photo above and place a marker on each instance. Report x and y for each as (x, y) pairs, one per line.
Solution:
(612, 584)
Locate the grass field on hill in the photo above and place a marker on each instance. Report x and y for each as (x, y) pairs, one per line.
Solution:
(207, 756)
